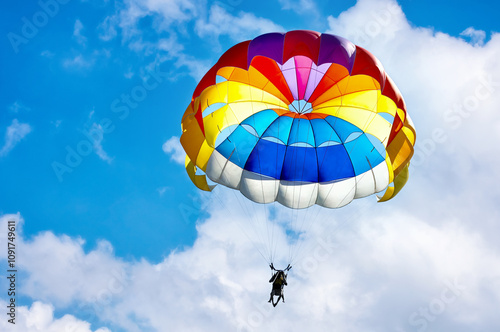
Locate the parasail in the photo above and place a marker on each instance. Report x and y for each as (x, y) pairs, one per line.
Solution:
(300, 118)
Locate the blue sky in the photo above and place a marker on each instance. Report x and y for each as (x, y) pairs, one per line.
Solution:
(73, 73)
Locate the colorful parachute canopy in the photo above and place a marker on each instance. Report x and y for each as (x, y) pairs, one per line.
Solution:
(301, 118)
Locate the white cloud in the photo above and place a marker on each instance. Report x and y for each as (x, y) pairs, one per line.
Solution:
(77, 33)
(17, 107)
(358, 268)
(13, 135)
(97, 133)
(162, 190)
(56, 123)
(128, 74)
(196, 68)
(47, 54)
(174, 10)
(477, 37)
(164, 13)
(171, 14)
(107, 28)
(40, 318)
(85, 61)
(174, 148)
(79, 62)
(172, 21)
(240, 27)
(303, 7)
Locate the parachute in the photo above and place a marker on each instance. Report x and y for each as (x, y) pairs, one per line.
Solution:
(300, 118)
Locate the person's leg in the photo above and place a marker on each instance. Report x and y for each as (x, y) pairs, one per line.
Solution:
(276, 303)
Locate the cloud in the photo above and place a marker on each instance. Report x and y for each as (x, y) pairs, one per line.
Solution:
(97, 133)
(56, 123)
(77, 33)
(303, 7)
(13, 135)
(165, 14)
(17, 107)
(85, 61)
(40, 318)
(171, 11)
(186, 20)
(477, 37)
(107, 28)
(237, 27)
(174, 148)
(171, 14)
(355, 269)
(79, 62)
(196, 68)
(47, 54)
(161, 191)
(128, 74)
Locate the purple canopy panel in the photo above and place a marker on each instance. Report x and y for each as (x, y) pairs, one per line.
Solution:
(290, 74)
(317, 73)
(269, 45)
(335, 49)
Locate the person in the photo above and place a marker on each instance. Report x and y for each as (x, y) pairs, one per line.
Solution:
(279, 281)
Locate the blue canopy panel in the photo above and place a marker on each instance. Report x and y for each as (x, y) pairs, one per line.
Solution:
(364, 156)
(323, 132)
(376, 144)
(290, 163)
(314, 153)
(301, 132)
(238, 146)
(279, 129)
(267, 159)
(342, 127)
(260, 121)
(301, 164)
(334, 163)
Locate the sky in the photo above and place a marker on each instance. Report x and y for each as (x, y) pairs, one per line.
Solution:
(113, 236)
